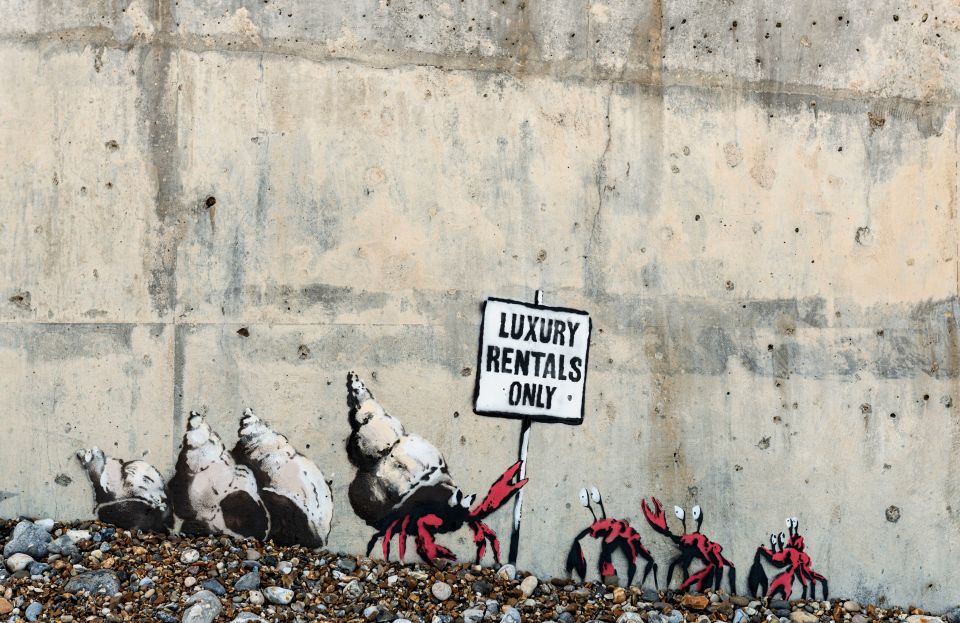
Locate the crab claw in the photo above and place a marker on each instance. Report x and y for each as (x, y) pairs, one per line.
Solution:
(500, 491)
(657, 517)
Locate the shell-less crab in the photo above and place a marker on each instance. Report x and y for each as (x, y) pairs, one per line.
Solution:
(427, 518)
(693, 546)
(615, 534)
(786, 554)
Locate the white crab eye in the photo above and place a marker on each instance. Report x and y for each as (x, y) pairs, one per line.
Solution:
(696, 512)
(583, 497)
(595, 494)
(467, 501)
(678, 512)
(789, 522)
(796, 522)
(781, 538)
(455, 498)
(773, 540)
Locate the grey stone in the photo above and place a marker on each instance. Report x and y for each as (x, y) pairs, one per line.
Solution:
(441, 590)
(482, 587)
(472, 615)
(278, 595)
(528, 585)
(18, 562)
(103, 582)
(347, 565)
(952, 615)
(247, 617)
(630, 617)
(507, 572)
(214, 587)
(352, 590)
(202, 607)
(740, 617)
(166, 617)
(189, 556)
(370, 613)
(512, 615)
(65, 546)
(38, 568)
(248, 582)
(32, 613)
(28, 538)
(675, 616)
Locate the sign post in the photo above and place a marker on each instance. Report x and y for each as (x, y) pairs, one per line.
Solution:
(532, 366)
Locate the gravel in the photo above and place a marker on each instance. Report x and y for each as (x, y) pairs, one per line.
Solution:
(95, 572)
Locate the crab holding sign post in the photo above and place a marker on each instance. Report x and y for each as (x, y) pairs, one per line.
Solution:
(532, 366)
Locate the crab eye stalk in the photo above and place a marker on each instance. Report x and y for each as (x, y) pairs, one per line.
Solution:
(584, 499)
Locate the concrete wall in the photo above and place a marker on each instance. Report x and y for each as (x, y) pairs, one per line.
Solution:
(757, 202)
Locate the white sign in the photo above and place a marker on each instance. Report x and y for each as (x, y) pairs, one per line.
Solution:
(532, 362)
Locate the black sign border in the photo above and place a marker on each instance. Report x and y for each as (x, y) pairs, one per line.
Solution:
(520, 416)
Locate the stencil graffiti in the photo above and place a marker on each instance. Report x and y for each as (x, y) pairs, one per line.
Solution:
(130, 494)
(211, 493)
(291, 486)
(263, 488)
(693, 546)
(785, 553)
(403, 488)
(615, 535)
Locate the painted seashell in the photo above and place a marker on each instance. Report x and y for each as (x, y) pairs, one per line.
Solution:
(128, 494)
(291, 486)
(396, 470)
(210, 492)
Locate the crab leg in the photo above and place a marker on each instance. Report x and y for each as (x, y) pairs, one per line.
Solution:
(402, 544)
(702, 578)
(481, 534)
(387, 535)
(427, 547)
(783, 582)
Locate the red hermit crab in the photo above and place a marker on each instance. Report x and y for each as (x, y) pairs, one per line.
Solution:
(693, 546)
(616, 534)
(786, 554)
(403, 488)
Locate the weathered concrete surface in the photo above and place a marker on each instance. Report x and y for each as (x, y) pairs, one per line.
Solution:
(769, 251)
